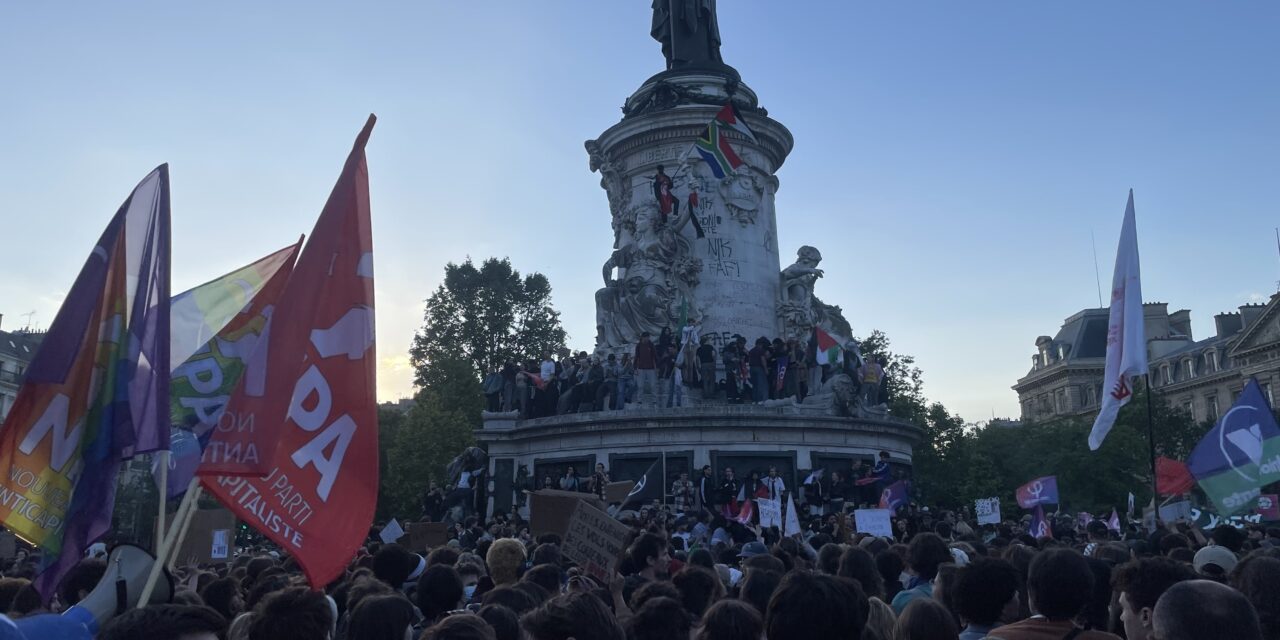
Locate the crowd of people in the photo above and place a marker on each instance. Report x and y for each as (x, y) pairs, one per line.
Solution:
(689, 572)
(658, 372)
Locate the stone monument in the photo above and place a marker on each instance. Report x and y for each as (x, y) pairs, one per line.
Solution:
(695, 241)
(691, 241)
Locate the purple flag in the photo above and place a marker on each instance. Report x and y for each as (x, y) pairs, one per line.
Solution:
(895, 495)
(106, 359)
(1039, 525)
(1039, 491)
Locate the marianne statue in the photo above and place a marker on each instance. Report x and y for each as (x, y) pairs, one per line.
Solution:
(688, 31)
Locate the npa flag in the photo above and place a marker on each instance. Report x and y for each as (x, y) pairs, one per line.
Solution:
(96, 391)
(1113, 523)
(215, 327)
(1039, 491)
(1039, 524)
(828, 351)
(1172, 477)
(1126, 342)
(295, 453)
(1240, 454)
(895, 495)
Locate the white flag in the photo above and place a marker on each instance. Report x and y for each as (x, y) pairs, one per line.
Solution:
(792, 526)
(1126, 342)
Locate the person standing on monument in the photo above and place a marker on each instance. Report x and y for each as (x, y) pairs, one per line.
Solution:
(683, 494)
(870, 374)
(732, 359)
(758, 362)
(704, 495)
(626, 382)
(728, 493)
(773, 482)
(668, 204)
(646, 367)
(707, 366)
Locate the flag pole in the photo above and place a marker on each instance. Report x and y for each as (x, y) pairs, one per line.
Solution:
(165, 547)
(162, 461)
(1151, 450)
(664, 479)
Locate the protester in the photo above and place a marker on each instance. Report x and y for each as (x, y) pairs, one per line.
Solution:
(926, 552)
(925, 619)
(1204, 610)
(1140, 584)
(808, 606)
(1059, 586)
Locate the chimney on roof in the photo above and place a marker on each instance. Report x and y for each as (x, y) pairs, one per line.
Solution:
(1180, 322)
(1249, 313)
(1227, 324)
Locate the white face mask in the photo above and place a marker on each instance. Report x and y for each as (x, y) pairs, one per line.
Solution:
(468, 592)
(904, 578)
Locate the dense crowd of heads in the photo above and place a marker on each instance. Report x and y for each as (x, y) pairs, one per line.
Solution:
(942, 576)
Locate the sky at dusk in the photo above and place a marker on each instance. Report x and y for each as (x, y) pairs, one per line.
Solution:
(951, 159)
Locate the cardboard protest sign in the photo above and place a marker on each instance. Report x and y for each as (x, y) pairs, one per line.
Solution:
(392, 532)
(873, 521)
(770, 512)
(1174, 511)
(551, 509)
(209, 526)
(8, 545)
(595, 541)
(426, 535)
(616, 492)
(987, 510)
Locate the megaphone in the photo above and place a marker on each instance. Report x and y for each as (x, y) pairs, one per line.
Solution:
(121, 588)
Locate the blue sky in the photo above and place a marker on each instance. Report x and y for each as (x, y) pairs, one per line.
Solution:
(951, 158)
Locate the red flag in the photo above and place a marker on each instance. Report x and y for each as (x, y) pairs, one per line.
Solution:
(296, 455)
(1172, 477)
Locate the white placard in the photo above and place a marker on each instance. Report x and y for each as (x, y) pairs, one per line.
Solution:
(220, 548)
(873, 521)
(987, 510)
(392, 532)
(770, 513)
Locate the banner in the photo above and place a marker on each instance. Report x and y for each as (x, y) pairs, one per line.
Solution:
(877, 522)
(895, 495)
(296, 456)
(215, 328)
(1113, 523)
(987, 510)
(1126, 341)
(792, 526)
(94, 392)
(1240, 455)
(392, 532)
(1039, 491)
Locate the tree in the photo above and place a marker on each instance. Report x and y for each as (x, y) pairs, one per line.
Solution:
(420, 443)
(485, 317)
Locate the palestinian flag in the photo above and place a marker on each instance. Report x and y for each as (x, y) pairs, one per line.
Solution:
(829, 351)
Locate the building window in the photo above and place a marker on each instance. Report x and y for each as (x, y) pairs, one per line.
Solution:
(1188, 369)
(1266, 391)
(1165, 374)
(1211, 408)
(1211, 361)
(1089, 395)
(1190, 407)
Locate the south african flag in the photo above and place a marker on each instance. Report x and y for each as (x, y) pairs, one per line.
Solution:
(714, 147)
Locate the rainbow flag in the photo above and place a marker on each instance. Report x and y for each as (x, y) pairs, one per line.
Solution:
(216, 327)
(714, 147)
(97, 390)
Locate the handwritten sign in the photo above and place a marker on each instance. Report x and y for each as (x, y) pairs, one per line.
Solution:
(595, 541)
(424, 536)
(987, 510)
(200, 540)
(770, 513)
(551, 509)
(873, 521)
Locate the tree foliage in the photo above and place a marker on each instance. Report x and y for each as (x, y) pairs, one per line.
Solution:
(956, 463)
(485, 316)
(419, 444)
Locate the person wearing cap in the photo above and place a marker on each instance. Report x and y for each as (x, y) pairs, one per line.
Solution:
(1214, 562)
(751, 549)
